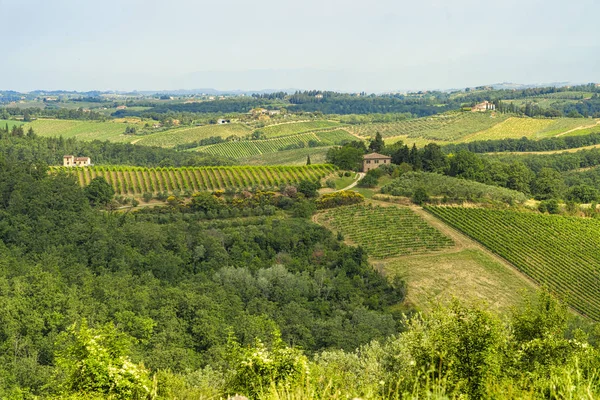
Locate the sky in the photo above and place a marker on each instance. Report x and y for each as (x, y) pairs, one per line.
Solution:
(344, 45)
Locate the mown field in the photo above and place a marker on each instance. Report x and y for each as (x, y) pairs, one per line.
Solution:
(385, 231)
(469, 274)
(292, 128)
(4, 123)
(139, 180)
(560, 252)
(248, 148)
(173, 137)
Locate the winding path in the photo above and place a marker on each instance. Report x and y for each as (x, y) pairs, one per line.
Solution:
(350, 186)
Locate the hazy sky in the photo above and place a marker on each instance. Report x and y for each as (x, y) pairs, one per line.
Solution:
(348, 45)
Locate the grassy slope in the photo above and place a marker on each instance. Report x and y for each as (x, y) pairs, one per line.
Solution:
(466, 271)
(468, 274)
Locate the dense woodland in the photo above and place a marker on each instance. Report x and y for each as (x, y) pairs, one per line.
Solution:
(176, 288)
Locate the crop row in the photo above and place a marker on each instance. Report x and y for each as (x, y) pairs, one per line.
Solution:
(248, 148)
(386, 231)
(560, 252)
(138, 180)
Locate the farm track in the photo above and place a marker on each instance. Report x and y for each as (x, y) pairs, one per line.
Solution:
(579, 128)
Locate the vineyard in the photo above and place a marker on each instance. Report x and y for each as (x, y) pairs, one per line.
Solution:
(292, 128)
(174, 137)
(386, 231)
(138, 180)
(560, 252)
(443, 127)
(248, 148)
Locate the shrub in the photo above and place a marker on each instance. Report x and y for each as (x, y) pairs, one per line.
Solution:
(341, 198)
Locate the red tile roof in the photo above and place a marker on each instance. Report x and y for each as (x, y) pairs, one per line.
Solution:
(374, 156)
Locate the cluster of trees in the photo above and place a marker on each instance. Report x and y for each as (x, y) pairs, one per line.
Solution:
(173, 288)
(51, 112)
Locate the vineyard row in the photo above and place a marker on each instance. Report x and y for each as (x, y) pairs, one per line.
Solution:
(139, 180)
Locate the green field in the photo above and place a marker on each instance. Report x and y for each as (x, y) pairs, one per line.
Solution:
(292, 128)
(248, 148)
(83, 130)
(9, 123)
(138, 180)
(470, 275)
(385, 231)
(560, 252)
(173, 137)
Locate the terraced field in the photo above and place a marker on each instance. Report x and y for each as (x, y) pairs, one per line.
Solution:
(248, 148)
(173, 137)
(385, 231)
(292, 128)
(560, 252)
(138, 180)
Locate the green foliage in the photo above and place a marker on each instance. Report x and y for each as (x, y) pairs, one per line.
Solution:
(550, 206)
(583, 194)
(308, 188)
(347, 157)
(99, 192)
(259, 367)
(420, 196)
(95, 361)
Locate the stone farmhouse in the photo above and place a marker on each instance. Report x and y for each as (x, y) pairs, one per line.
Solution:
(485, 106)
(72, 161)
(375, 160)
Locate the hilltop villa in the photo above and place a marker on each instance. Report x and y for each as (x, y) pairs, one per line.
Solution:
(374, 160)
(72, 161)
(485, 106)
